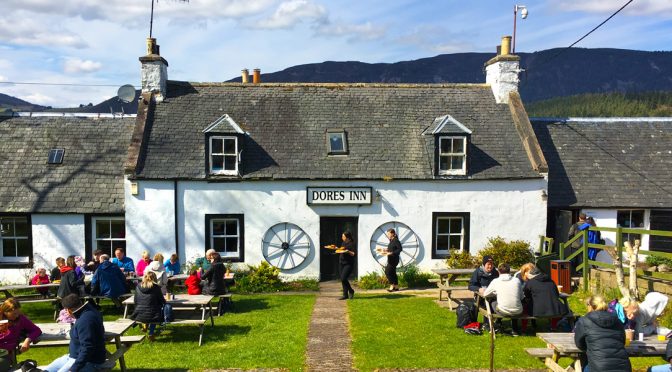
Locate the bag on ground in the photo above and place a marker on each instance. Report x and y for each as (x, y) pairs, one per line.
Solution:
(466, 314)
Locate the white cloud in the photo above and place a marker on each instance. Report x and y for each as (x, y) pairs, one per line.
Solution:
(292, 12)
(365, 31)
(2, 78)
(434, 39)
(76, 65)
(640, 7)
(38, 98)
(5, 64)
(30, 32)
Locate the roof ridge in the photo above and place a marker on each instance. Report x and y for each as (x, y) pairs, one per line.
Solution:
(643, 119)
(331, 85)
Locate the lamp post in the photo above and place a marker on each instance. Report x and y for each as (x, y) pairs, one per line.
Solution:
(523, 15)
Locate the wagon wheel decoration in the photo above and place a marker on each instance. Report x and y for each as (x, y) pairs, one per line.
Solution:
(410, 243)
(285, 246)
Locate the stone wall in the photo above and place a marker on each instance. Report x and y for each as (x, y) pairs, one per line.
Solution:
(606, 278)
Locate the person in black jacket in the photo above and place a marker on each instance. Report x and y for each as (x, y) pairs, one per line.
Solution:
(392, 252)
(347, 260)
(149, 302)
(214, 277)
(600, 334)
(668, 357)
(70, 283)
(481, 278)
(87, 338)
(543, 295)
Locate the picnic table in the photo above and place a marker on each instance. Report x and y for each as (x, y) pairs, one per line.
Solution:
(57, 334)
(8, 289)
(561, 345)
(184, 303)
(447, 279)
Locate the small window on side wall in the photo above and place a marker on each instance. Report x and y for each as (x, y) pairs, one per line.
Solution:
(223, 155)
(452, 155)
(450, 232)
(337, 143)
(15, 240)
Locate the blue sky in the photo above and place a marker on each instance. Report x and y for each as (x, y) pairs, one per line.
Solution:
(99, 42)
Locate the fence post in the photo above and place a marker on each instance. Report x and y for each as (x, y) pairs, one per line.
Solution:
(619, 244)
(586, 266)
(562, 251)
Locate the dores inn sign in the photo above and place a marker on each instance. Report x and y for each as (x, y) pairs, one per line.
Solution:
(338, 195)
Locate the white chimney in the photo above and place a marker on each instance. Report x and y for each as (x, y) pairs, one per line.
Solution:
(501, 72)
(154, 71)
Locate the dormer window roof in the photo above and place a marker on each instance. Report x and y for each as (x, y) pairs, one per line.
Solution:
(225, 124)
(337, 142)
(447, 125)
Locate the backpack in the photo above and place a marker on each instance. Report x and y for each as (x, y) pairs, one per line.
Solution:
(466, 313)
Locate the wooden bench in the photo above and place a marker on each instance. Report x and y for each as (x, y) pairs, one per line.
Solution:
(540, 352)
(112, 358)
(449, 290)
(225, 302)
(199, 322)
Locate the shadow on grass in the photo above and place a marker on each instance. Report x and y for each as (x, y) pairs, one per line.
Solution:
(210, 334)
(246, 305)
(379, 296)
(157, 369)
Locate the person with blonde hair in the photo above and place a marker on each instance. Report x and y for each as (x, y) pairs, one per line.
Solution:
(149, 303)
(600, 334)
(144, 261)
(524, 270)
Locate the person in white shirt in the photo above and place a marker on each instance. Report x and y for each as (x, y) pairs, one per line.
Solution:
(509, 295)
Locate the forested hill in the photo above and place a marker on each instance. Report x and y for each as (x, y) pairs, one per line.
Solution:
(604, 105)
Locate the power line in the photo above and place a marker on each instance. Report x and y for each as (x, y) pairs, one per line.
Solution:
(584, 36)
(61, 84)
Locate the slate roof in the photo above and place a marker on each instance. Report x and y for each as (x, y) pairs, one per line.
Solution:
(603, 163)
(287, 126)
(90, 179)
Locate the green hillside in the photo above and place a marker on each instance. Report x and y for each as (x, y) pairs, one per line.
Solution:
(604, 105)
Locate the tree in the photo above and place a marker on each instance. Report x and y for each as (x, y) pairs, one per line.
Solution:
(630, 291)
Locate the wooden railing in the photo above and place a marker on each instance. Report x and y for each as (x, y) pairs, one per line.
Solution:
(584, 266)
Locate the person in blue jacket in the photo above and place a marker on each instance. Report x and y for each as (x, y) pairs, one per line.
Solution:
(87, 339)
(172, 264)
(108, 280)
(125, 263)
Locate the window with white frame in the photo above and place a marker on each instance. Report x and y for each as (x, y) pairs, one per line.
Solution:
(225, 234)
(452, 155)
(224, 155)
(108, 234)
(15, 244)
(450, 232)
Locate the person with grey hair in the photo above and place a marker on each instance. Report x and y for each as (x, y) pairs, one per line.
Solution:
(204, 262)
(103, 258)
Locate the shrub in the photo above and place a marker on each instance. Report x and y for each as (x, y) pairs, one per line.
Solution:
(461, 260)
(515, 253)
(262, 278)
(412, 277)
(372, 280)
(657, 261)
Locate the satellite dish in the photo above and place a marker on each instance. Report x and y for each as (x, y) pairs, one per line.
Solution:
(126, 93)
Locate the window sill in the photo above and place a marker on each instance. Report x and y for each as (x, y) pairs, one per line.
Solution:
(16, 265)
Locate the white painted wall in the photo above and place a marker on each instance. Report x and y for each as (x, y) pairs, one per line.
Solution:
(150, 219)
(54, 235)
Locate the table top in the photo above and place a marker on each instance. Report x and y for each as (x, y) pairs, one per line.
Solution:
(453, 271)
(181, 300)
(564, 344)
(27, 286)
(60, 331)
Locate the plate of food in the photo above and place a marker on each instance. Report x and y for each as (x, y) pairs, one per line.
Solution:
(331, 246)
(341, 250)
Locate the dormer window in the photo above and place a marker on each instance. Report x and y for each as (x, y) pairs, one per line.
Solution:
(55, 156)
(452, 155)
(224, 155)
(337, 143)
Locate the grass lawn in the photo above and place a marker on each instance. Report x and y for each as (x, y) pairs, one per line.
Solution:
(397, 331)
(264, 331)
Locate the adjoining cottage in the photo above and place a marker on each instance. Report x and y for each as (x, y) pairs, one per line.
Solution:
(616, 170)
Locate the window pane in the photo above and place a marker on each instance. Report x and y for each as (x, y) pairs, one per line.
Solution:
(336, 142)
(442, 242)
(7, 226)
(229, 146)
(118, 229)
(458, 144)
(217, 162)
(218, 244)
(216, 146)
(231, 227)
(102, 229)
(637, 220)
(455, 241)
(230, 163)
(21, 227)
(442, 225)
(443, 162)
(218, 227)
(118, 244)
(232, 245)
(623, 218)
(455, 225)
(22, 249)
(445, 145)
(9, 248)
(456, 162)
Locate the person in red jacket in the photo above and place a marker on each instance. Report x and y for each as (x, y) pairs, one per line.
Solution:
(193, 283)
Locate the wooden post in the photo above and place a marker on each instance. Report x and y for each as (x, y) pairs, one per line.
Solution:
(562, 251)
(586, 265)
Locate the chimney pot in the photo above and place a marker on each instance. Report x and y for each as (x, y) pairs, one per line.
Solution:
(245, 76)
(499, 49)
(154, 71)
(151, 45)
(506, 46)
(256, 77)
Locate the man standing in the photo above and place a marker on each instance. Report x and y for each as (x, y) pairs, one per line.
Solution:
(87, 339)
(125, 263)
(573, 230)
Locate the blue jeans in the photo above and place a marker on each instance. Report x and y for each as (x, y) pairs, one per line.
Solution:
(64, 363)
(661, 368)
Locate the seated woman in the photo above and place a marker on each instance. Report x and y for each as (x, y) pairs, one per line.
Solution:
(71, 282)
(626, 309)
(149, 303)
(19, 325)
(214, 277)
(646, 320)
(544, 297)
(600, 334)
(143, 262)
(160, 271)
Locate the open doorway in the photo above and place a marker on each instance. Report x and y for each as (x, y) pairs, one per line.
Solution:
(331, 229)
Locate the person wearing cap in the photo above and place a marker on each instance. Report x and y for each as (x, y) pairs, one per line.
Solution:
(108, 280)
(149, 302)
(483, 276)
(87, 338)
